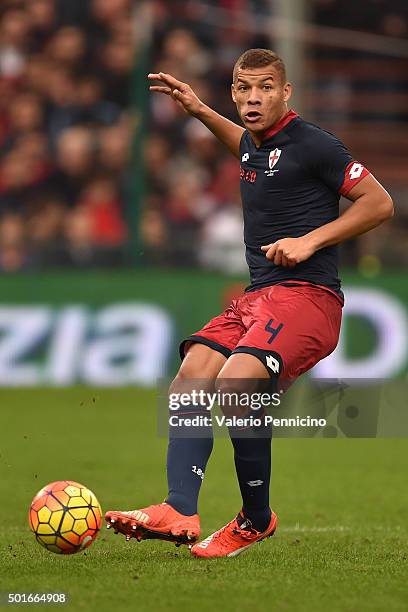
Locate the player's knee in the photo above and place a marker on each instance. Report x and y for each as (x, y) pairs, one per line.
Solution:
(237, 396)
(200, 363)
(229, 392)
(180, 382)
(190, 378)
(189, 370)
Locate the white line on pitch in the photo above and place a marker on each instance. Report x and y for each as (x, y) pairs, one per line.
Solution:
(338, 528)
(305, 529)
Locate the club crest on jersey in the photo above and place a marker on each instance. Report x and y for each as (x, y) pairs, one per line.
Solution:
(274, 157)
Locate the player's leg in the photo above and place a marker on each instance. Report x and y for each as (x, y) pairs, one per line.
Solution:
(204, 354)
(189, 449)
(190, 446)
(290, 329)
(252, 446)
(244, 373)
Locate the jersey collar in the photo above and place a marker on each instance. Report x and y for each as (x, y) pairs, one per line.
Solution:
(290, 115)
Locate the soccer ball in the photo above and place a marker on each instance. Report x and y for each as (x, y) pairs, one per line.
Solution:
(65, 517)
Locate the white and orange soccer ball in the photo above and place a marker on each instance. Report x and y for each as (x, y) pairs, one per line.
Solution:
(65, 517)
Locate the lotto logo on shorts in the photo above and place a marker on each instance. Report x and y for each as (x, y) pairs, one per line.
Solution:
(272, 363)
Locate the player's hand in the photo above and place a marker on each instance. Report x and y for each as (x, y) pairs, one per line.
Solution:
(288, 252)
(179, 91)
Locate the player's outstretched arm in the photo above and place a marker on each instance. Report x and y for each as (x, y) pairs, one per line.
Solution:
(226, 131)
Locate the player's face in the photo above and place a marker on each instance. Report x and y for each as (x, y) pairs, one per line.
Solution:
(261, 97)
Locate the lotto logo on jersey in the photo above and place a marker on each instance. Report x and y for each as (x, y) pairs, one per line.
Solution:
(353, 174)
(356, 171)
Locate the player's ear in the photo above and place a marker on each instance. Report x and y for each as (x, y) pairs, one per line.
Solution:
(287, 91)
(233, 93)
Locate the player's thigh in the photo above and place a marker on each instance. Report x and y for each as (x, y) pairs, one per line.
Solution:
(205, 352)
(243, 365)
(293, 329)
(201, 360)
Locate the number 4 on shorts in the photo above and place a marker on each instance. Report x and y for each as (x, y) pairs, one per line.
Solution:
(274, 331)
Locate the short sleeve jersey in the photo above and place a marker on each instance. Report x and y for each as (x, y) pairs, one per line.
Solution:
(290, 185)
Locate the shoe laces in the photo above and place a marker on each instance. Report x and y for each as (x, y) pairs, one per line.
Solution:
(246, 533)
(225, 535)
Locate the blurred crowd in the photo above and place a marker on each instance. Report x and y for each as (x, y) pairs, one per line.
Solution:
(65, 85)
(193, 212)
(386, 17)
(68, 72)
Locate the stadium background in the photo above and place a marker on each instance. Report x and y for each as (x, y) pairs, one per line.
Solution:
(114, 199)
(121, 232)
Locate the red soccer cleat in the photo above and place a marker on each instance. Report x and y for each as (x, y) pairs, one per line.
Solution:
(233, 539)
(160, 521)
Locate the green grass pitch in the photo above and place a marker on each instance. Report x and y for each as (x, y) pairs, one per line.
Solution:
(341, 544)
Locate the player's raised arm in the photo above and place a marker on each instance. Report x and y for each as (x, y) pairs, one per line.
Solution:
(226, 131)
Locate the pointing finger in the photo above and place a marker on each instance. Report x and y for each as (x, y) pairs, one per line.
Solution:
(165, 90)
(171, 81)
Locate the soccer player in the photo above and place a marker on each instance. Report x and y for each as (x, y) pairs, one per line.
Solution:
(292, 175)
